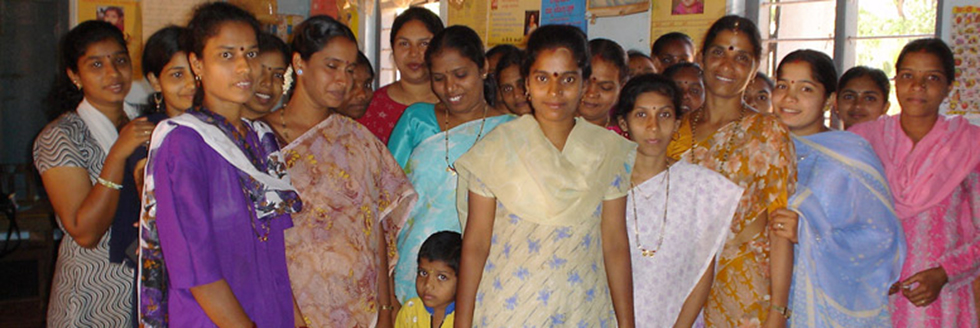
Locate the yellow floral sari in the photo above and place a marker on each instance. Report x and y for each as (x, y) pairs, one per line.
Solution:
(762, 160)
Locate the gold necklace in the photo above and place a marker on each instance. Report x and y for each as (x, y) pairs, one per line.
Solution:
(451, 167)
(731, 138)
(663, 224)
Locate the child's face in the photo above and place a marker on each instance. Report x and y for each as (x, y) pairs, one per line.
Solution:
(435, 283)
(689, 82)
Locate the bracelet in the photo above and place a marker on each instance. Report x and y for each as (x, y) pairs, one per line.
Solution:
(109, 184)
(782, 310)
(387, 307)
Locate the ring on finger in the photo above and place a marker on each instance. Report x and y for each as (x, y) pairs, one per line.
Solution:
(779, 226)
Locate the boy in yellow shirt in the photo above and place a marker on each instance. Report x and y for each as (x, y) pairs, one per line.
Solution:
(435, 283)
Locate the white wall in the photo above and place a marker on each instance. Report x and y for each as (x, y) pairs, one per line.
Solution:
(630, 31)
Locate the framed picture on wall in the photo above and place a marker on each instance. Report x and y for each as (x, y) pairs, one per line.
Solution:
(606, 8)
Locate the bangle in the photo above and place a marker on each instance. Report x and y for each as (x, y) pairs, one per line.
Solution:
(109, 184)
(782, 310)
(387, 307)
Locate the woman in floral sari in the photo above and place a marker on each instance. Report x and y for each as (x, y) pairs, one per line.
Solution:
(341, 251)
(429, 138)
(753, 150)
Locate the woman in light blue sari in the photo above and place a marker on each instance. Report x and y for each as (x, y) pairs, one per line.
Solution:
(429, 138)
(849, 244)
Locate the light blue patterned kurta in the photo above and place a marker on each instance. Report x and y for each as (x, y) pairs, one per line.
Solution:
(420, 148)
(851, 246)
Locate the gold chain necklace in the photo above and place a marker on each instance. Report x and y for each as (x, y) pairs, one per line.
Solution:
(663, 224)
(731, 138)
(451, 167)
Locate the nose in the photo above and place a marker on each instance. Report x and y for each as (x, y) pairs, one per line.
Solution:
(265, 78)
(592, 89)
(416, 50)
(554, 87)
(242, 65)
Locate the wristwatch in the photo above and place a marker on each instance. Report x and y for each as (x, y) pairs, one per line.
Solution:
(784, 311)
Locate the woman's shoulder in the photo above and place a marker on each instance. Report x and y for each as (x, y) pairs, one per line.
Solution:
(63, 142)
(703, 175)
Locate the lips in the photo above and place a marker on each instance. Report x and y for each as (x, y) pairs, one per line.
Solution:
(115, 87)
(244, 85)
(455, 99)
(414, 66)
(724, 79)
(263, 99)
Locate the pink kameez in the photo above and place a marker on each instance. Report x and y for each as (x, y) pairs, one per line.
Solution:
(936, 184)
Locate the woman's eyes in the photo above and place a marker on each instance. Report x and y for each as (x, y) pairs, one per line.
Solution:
(717, 52)
(665, 114)
(252, 54)
(442, 277)
(279, 76)
(871, 99)
(807, 89)
(568, 80)
(541, 78)
(177, 75)
(905, 76)
(848, 97)
(122, 60)
(781, 86)
(764, 97)
(97, 64)
(640, 114)
(507, 88)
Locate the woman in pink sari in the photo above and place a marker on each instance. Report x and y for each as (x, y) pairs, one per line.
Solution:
(933, 167)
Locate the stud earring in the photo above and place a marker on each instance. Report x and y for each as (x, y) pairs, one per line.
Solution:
(299, 71)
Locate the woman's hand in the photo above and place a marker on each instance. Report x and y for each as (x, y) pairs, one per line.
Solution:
(784, 223)
(923, 288)
(133, 134)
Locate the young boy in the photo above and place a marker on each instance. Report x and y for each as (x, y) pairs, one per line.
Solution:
(435, 284)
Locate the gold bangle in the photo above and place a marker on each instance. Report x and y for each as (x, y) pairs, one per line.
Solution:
(109, 184)
(387, 307)
(782, 310)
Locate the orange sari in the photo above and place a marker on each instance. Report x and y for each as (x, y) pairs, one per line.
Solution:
(762, 160)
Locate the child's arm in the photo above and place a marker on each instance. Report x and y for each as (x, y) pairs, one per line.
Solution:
(616, 255)
(694, 302)
(220, 304)
(476, 248)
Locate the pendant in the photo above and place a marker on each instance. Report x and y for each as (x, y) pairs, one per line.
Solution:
(648, 253)
(451, 169)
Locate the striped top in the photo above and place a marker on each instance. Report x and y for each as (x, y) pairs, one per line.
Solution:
(87, 290)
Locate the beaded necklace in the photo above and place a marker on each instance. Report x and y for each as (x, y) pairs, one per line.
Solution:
(636, 219)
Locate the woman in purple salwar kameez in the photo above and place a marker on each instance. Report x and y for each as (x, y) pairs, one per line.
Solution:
(217, 196)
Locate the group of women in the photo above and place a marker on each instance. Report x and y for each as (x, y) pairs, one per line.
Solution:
(709, 212)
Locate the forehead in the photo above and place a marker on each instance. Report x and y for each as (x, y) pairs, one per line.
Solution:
(103, 48)
(687, 74)
(557, 60)
(434, 265)
(921, 60)
(653, 99)
(738, 41)
(759, 84)
(272, 58)
(795, 71)
(233, 34)
(862, 84)
(678, 47)
(451, 58)
(414, 29)
(338, 48)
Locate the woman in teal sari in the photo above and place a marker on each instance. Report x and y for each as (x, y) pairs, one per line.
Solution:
(849, 244)
(429, 138)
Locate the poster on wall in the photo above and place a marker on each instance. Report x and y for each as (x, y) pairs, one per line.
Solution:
(512, 20)
(324, 7)
(563, 12)
(608, 8)
(691, 17)
(158, 14)
(964, 39)
(124, 14)
(472, 13)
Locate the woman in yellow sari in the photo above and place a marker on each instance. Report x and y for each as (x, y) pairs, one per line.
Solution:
(755, 151)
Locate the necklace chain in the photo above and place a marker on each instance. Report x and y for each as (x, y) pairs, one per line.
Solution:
(450, 167)
(663, 224)
(731, 138)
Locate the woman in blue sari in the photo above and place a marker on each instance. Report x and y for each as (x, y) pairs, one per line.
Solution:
(429, 138)
(849, 244)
